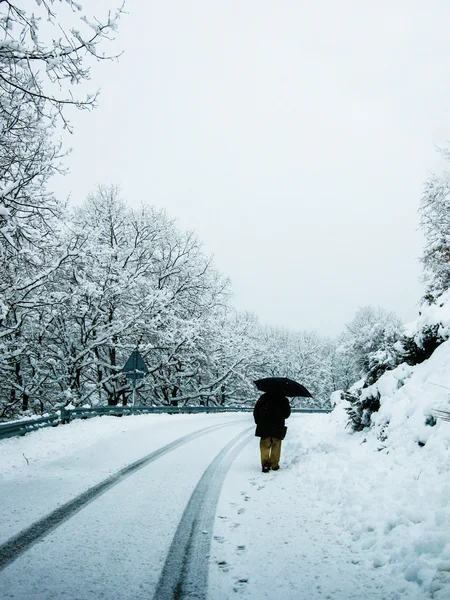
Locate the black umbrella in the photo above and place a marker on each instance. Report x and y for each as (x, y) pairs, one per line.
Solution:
(282, 385)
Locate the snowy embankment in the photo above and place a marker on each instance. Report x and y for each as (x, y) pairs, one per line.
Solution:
(406, 520)
(341, 520)
(351, 515)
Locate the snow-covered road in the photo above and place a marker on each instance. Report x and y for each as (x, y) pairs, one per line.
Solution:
(116, 545)
(314, 530)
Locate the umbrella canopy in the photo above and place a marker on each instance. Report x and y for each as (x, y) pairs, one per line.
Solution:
(282, 385)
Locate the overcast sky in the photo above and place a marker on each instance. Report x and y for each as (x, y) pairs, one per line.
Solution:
(292, 136)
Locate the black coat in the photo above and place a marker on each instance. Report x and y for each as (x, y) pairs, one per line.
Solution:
(269, 413)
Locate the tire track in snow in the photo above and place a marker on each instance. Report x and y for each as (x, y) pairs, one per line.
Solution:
(20, 543)
(185, 572)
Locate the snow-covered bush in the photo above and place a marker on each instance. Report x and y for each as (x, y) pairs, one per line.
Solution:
(429, 330)
(360, 408)
(416, 349)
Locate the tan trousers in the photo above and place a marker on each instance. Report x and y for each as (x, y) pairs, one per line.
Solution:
(270, 451)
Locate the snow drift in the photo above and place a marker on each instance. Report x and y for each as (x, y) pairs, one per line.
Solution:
(411, 534)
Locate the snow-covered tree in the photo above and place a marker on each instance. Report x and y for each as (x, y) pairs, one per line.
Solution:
(137, 281)
(104, 292)
(435, 223)
(186, 336)
(370, 345)
(302, 356)
(45, 50)
(370, 342)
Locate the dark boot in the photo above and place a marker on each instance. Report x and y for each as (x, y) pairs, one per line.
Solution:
(266, 467)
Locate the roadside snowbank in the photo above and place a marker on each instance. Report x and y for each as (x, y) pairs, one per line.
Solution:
(406, 519)
(341, 520)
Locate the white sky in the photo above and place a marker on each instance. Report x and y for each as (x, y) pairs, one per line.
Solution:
(293, 137)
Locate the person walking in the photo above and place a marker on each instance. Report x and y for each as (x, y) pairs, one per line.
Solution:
(269, 413)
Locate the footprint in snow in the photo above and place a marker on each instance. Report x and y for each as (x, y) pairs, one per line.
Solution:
(240, 584)
(219, 538)
(223, 565)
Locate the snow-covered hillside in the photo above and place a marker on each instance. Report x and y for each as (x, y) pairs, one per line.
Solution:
(406, 516)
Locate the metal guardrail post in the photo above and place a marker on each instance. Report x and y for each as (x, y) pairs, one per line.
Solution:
(65, 415)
